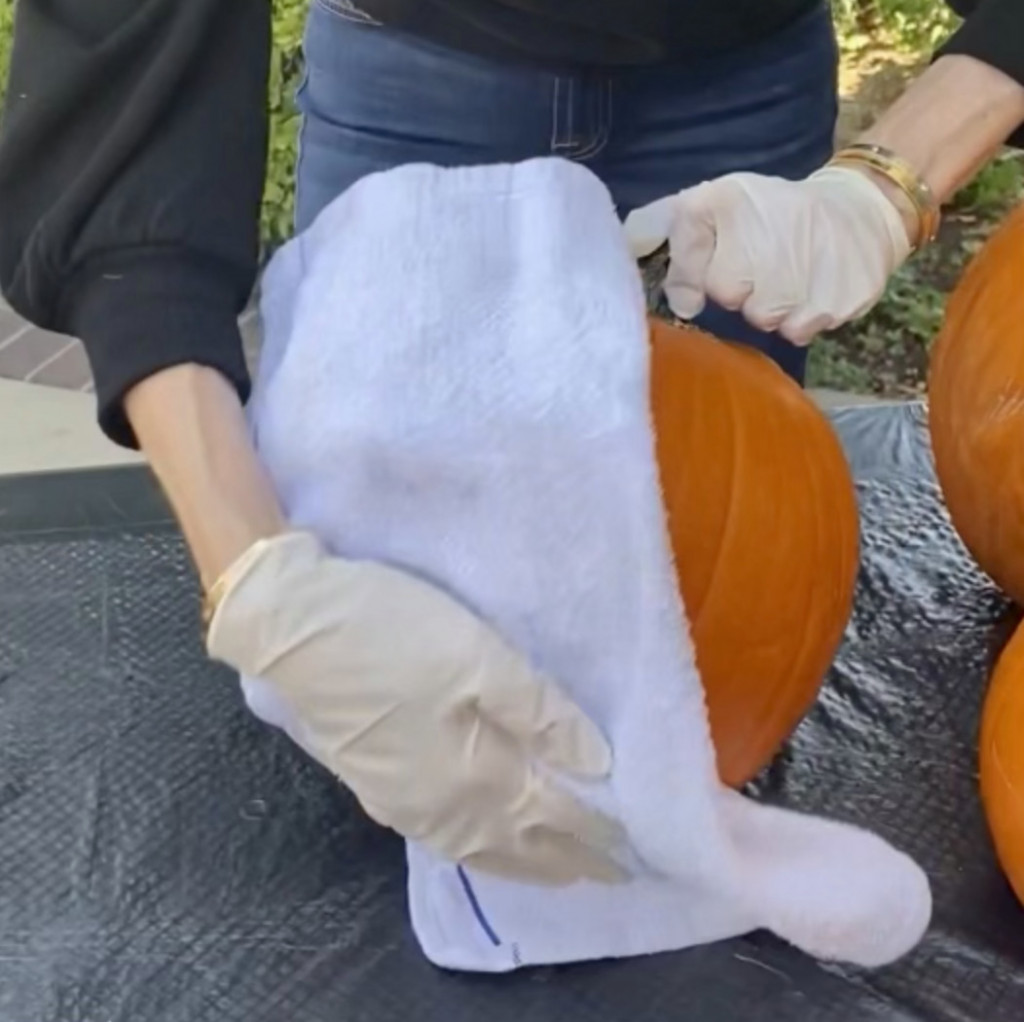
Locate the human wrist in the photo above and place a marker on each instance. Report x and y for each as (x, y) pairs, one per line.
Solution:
(950, 121)
(287, 556)
(191, 427)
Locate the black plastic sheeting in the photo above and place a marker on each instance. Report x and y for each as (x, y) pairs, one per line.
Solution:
(165, 858)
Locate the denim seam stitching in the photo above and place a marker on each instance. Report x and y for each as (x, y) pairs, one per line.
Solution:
(348, 11)
(556, 134)
(601, 137)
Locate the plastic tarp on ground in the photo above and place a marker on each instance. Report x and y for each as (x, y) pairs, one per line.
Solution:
(165, 858)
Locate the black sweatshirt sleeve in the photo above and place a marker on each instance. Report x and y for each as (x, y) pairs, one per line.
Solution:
(992, 32)
(132, 159)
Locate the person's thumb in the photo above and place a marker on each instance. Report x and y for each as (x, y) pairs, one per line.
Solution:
(692, 247)
(539, 714)
(648, 227)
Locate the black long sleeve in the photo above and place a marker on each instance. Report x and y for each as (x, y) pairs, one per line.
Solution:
(132, 160)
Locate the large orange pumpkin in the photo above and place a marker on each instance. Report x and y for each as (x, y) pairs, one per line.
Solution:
(976, 406)
(763, 521)
(1001, 760)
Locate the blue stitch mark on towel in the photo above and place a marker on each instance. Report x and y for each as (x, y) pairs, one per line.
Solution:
(477, 910)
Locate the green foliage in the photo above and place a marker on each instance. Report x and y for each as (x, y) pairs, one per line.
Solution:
(6, 37)
(887, 351)
(995, 188)
(917, 25)
(285, 74)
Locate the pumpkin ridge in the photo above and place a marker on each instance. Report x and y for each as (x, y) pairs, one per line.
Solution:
(762, 516)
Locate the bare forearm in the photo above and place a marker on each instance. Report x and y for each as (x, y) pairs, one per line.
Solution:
(191, 427)
(951, 121)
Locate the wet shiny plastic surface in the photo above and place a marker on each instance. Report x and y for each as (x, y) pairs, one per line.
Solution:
(164, 858)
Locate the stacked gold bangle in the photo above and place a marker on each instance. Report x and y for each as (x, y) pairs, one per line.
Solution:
(211, 601)
(896, 170)
(212, 597)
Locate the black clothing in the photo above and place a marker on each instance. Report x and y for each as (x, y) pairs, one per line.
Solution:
(132, 154)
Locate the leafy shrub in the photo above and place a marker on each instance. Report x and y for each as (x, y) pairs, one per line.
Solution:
(915, 24)
(6, 37)
(285, 73)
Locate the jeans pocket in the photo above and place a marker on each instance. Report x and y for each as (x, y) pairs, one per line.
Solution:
(347, 10)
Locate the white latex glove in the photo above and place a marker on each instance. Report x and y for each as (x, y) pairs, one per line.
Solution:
(794, 257)
(420, 709)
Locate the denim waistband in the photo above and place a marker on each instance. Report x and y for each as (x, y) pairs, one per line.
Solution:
(490, 28)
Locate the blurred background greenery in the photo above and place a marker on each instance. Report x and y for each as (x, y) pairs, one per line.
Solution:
(884, 43)
(6, 31)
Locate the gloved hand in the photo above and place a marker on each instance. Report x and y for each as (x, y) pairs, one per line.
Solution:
(420, 709)
(796, 257)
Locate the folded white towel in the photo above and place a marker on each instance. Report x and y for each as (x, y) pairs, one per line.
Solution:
(455, 381)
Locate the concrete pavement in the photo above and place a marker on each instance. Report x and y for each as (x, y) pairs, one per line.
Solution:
(44, 429)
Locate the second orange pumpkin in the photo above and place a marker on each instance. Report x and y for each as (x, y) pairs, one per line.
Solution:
(1001, 761)
(976, 406)
(763, 522)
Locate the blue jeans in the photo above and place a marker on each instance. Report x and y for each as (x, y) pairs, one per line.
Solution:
(372, 99)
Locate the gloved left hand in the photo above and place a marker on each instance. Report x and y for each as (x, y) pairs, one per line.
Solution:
(794, 257)
(442, 731)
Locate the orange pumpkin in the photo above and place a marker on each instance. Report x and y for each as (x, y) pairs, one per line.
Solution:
(763, 522)
(1001, 760)
(976, 406)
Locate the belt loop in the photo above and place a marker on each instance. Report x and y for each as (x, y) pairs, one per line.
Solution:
(561, 114)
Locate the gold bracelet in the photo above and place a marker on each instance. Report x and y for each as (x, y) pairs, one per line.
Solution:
(211, 601)
(212, 597)
(896, 170)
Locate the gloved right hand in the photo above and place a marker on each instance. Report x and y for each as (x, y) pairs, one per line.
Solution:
(434, 723)
(797, 257)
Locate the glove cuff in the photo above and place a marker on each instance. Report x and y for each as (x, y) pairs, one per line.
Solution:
(864, 186)
(284, 548)
(900, 175)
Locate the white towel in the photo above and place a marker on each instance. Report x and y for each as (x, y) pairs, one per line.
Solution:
(455, 381)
